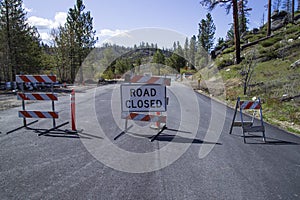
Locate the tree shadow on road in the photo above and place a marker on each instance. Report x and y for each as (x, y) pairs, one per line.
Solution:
(164, 137)
(179, 139)
(76, 135)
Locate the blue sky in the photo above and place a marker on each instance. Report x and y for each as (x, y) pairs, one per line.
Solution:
(113, 17)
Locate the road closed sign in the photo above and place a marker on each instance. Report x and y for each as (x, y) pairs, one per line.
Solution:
(143, 98)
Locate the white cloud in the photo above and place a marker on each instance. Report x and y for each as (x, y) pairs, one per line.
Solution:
(105, 35)
(110, 33)
(40, 23)
(60, 19)
(45, 26)
(43, 23)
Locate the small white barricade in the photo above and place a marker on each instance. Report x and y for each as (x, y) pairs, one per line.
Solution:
(144, 94)
(21, 79)
(248, 126)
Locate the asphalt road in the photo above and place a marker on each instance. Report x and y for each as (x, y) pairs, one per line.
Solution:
(195, 158)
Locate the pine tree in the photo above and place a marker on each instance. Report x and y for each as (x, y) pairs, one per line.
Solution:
(192, 50)
(174, 46)
(80, 26)
(158, 59)
(179, 49)
(20, 49)
(206, 32)
(243, 15)
(62, 53)
(186, 48)
(176, 61)
(228, 5)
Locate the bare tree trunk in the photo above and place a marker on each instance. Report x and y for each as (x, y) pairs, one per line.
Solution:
(293, 10)
(236, 32)
(269, 18)
(8, 39)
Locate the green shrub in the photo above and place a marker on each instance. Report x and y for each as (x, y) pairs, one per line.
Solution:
(292, 29)
(229, 50)
(225, 61)
(270, 42)
(256, 37)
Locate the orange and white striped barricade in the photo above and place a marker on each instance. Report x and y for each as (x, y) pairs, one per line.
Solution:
(248, 126)
(144, 94)
(21, 79)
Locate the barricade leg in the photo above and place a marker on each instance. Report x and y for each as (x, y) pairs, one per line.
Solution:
(24, 126)
(52, 129)
(125, 130)
(234, 115)
(160, 131)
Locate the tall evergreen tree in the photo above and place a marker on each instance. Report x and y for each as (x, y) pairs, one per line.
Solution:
(207, 30)
(243, 15)
(20, 49)
(192, 50)
(179, 49)
(174, 46)
(63, 53)
(80, 26)
(158, 59)
(186, 48)
(228, 5)
(176, 61)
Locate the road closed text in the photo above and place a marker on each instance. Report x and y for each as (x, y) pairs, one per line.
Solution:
(143, 98)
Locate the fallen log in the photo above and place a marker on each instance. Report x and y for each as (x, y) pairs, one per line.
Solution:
(289, 98)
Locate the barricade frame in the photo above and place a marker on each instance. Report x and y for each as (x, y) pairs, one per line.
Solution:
(146, 80)
(248, 126)
(21, 80)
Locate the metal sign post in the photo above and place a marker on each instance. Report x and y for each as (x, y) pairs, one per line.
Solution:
(137, 100)
(248, 126)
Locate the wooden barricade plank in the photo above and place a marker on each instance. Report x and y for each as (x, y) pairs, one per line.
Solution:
(143, 117)
(35, 78)
(38, 114)
(37, 96)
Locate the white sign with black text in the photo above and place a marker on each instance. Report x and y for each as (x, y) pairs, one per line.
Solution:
(143, 98)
